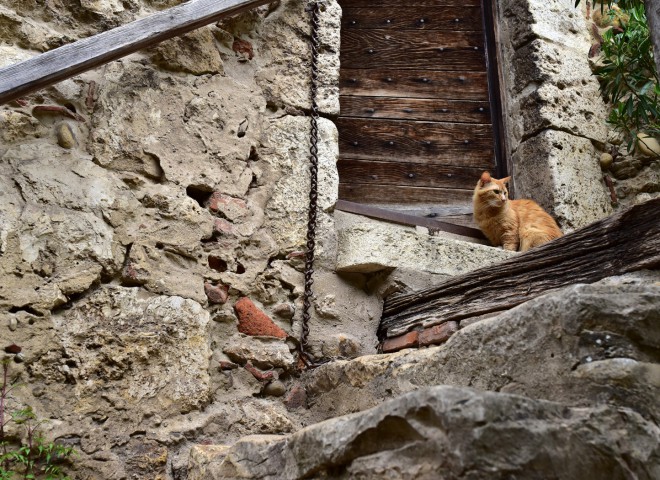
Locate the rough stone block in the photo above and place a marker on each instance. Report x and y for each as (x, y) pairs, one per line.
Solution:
(437, 334)
(195, 52)
(541, 61)
(372, 247)
(408, 340)
(150, 351)
(287, 152)
(552, 86)
(296, 398)
(230, 207)
(252, 321)
(283, 59)
(263, 353)
(579, 110)
(548, 348)
(561, 172)
(451, 430)
(553, 20)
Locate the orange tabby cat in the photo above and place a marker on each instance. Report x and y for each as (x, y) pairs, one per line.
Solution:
(513, 224)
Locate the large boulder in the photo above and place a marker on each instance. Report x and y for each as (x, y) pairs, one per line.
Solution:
(447, 433)
(581, 345)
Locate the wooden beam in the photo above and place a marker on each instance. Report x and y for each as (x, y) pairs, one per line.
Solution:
(69, 60)
(625, 242)
(406, 219)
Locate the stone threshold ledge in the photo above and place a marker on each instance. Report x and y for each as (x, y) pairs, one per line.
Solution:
(373, 246)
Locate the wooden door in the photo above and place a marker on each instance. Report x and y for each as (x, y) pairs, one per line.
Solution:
(415, 130)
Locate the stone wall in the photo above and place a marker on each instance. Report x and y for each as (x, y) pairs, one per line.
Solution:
(561, 147)
(152, 228)
(153, 214)
(555, 117)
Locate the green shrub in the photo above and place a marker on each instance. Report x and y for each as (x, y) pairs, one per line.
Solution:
(628, 79)
(627, 74)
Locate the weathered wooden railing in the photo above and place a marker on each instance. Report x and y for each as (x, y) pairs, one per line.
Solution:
(624, 242)
(69, 60)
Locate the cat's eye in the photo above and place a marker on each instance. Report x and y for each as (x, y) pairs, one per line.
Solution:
(497, 192)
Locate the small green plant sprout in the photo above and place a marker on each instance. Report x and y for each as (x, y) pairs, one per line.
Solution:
(27, 456)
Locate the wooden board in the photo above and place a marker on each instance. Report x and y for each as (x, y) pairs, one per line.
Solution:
(69, 60)
(415, 125)
(456, 213)
(403, 218)
(407, 174)
(384, 194)
(409, 141)
(435, 110)
(459, 18)
(414, 83)
(407, 49)
(410, 3)
(625, 242)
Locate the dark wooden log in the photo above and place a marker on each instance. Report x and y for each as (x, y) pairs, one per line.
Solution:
(407, 219)
(414, 83)
(413, 49)
(69, 60)
(625, 242)
(413, 18)
(389, 194)
(434, 110)
(407, 174)
(409, 141)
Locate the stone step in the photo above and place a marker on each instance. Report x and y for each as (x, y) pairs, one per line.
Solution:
(447, 433)
(579, 345)
(563, 386)
(367, 246)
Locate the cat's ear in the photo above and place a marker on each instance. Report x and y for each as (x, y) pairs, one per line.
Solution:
(505, 180)
(485, 178)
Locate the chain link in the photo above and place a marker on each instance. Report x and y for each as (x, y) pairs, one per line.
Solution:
(305, 356)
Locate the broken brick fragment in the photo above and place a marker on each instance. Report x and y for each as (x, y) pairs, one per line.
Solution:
(133, 276)
(254, 322)
(216, 293)
(437, 334)
(222, 227)
(225, 365)
(258, 374)
(13, 348)
(230, 207)
(296, 398)
(243, 47)
(407, 340)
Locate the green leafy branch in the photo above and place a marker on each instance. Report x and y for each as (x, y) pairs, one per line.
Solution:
(627, 75)
(628, 79)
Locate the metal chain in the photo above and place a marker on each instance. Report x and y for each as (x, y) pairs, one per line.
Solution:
(313, 193)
